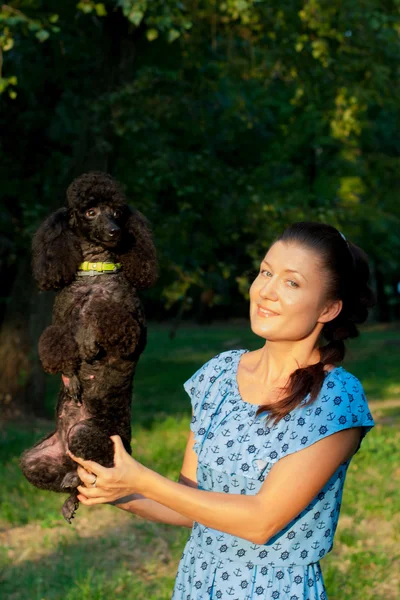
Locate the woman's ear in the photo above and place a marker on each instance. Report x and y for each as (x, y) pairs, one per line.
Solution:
(331, 311)
(56, 252)
(137, 253)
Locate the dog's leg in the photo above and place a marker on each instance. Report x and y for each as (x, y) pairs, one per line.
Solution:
(46, 464)
(114, 328)
(70, 507)
(58, 351)
(47, 467)
(88, 440)
(86, 339)
(73, 388)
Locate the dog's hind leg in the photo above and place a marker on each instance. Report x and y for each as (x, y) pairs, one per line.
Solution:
(46, 464)
(47, 467)
(86, 440)
(70, 507)
(89, 440)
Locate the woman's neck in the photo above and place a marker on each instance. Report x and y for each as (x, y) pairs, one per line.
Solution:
(276, 361)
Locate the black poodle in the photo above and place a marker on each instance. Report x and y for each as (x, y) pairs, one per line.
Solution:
(98, 252)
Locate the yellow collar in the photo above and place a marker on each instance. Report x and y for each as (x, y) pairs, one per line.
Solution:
(99, 268)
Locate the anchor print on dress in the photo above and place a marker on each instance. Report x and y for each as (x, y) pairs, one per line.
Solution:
(296, 546)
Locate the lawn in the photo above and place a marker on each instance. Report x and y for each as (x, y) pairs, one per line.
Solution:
(108, 554)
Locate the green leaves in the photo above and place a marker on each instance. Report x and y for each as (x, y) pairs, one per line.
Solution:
(167, 18)
(225, 121)
(42, 35)
(9, 85)
(13, 21)
(88, 7)
(152, 34)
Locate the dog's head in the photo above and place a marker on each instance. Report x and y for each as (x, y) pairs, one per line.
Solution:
(96, 211)
(97, 208)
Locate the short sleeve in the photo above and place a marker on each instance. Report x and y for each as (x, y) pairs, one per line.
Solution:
(341, 404)
(198, 388)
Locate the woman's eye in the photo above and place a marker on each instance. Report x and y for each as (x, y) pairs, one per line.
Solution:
(292, 283)
(266, 273)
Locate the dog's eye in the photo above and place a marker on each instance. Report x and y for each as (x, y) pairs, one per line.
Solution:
(90, 213)
(116, 213)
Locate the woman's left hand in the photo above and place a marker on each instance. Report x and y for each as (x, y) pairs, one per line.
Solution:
(101, 484)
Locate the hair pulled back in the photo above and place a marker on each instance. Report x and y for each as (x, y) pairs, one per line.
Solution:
(345, 273)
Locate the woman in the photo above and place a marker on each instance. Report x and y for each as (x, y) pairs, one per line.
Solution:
(272, 433)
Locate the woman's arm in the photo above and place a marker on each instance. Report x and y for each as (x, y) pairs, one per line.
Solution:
(151, 510)
(154, 511)
(290, 486)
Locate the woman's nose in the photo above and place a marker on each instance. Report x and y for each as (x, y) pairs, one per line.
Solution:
(268, 290)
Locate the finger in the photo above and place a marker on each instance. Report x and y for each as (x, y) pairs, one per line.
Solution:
(89, 465)
(89, 492)
(91, 501)
(119, 448)
(85, 477)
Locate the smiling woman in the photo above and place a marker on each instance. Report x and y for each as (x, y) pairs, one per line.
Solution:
(315, 283)
(272, 434)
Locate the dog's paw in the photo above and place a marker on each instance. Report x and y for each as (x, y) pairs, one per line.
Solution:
(69, 508)
(73, 387)
(71, 480)
(86, 339)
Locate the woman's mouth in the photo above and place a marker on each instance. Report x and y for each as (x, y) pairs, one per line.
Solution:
(265, 312)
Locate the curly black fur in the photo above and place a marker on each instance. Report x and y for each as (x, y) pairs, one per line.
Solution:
(98, 330)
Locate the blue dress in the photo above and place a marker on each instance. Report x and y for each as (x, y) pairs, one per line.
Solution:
(236, 450)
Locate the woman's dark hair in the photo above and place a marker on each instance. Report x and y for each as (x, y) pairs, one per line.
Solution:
(346, 274)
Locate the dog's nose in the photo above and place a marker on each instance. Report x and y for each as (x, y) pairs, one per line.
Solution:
(112, 232)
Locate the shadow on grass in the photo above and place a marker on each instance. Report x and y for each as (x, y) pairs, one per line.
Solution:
(136, 560)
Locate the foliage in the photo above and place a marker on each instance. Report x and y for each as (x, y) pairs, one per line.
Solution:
(225, 121)
(15, 21)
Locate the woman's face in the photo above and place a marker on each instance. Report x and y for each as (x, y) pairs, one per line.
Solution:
(288, 297)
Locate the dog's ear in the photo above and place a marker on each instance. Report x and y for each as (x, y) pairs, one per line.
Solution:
(137, 252)
(56, 252)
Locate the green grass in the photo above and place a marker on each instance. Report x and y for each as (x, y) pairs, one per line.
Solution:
(109, 554)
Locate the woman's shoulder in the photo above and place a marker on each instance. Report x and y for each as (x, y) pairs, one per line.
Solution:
(340, 381)
(229, 356)
(223, 360)
(340, 405)
(214, 368)
(341, 399)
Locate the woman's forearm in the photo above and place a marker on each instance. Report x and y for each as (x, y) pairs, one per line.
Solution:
(151, 510)
(237, 515)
